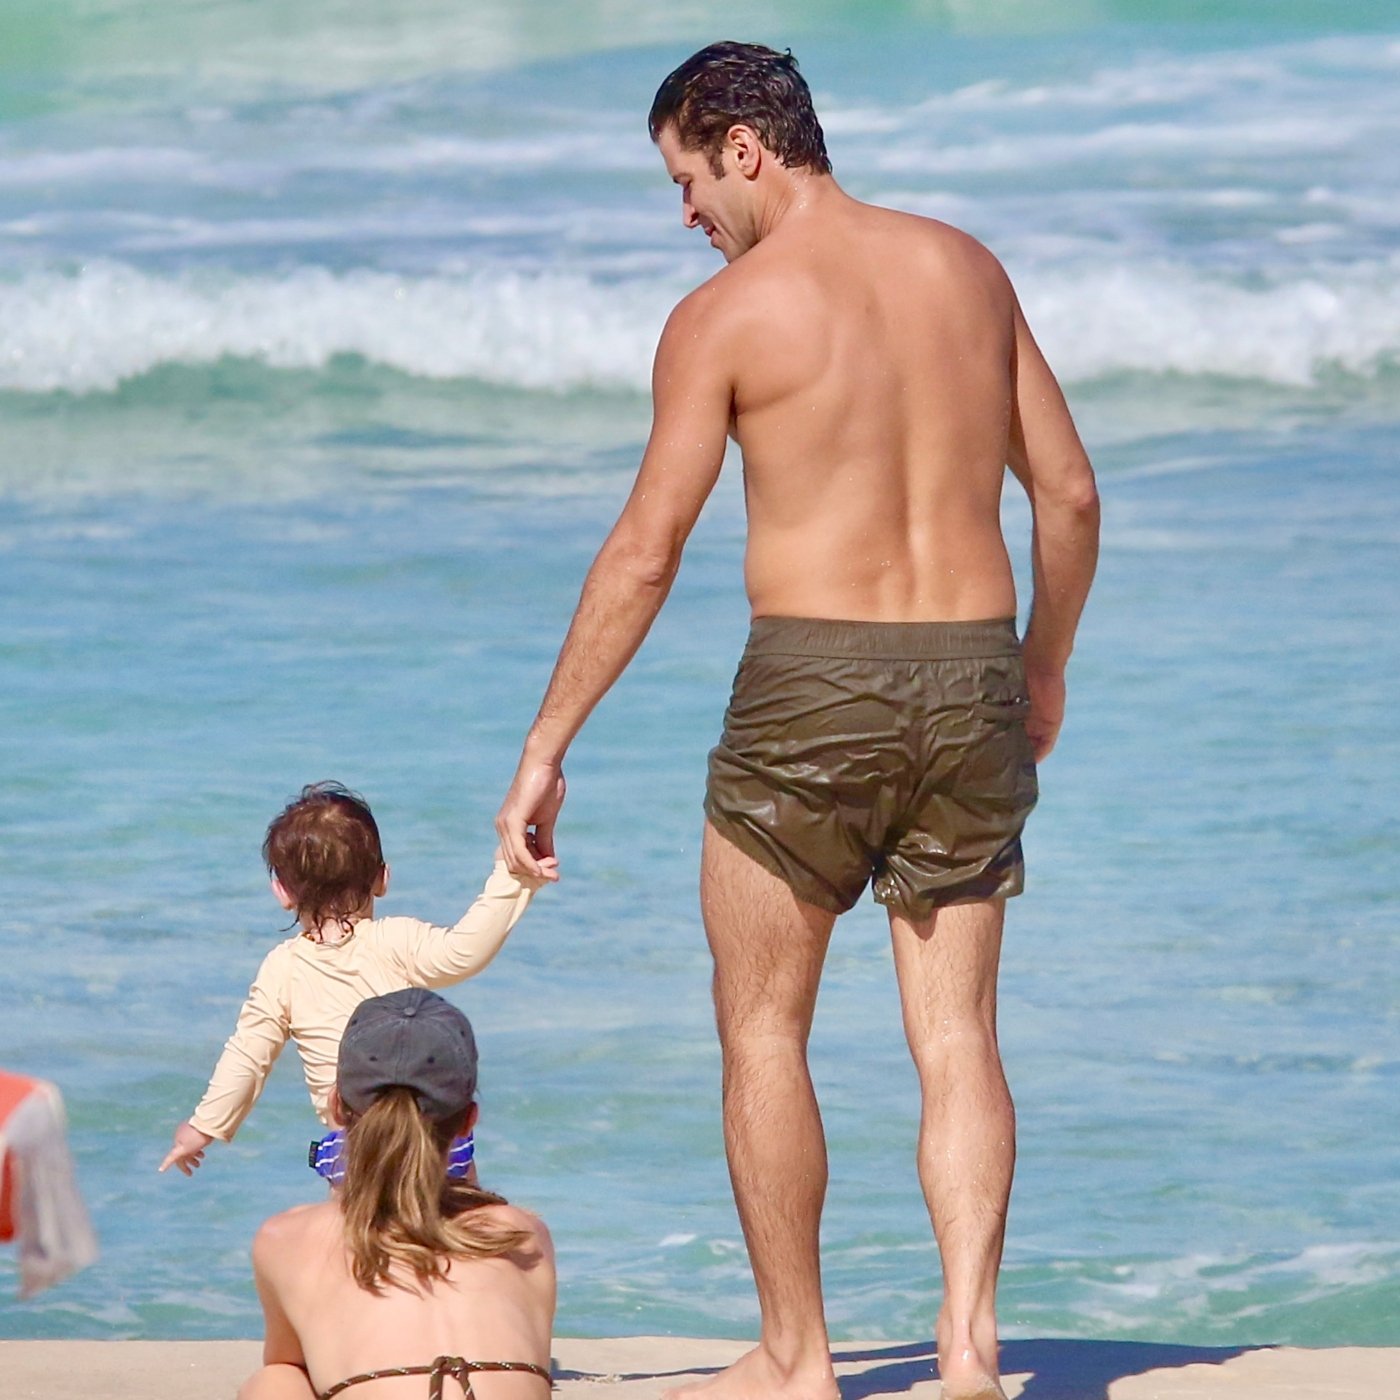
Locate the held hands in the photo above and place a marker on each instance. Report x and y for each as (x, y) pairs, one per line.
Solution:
(525, 823)
(188, 1151)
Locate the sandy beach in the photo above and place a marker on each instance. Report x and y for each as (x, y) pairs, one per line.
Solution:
(638, 1368)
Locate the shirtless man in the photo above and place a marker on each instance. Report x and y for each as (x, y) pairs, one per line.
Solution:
(878, 375)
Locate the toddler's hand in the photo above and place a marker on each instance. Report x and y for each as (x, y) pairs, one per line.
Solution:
(549, 865)
(188, 1151)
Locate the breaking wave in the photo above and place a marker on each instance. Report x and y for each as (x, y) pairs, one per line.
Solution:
(558, 331)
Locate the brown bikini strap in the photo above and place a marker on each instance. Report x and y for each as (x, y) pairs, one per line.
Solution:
(457, 1367)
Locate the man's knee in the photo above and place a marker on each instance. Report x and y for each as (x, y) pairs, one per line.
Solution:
(749, 1026)
(955, 1042)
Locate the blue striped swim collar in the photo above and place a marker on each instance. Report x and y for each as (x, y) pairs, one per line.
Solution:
(327, 1156)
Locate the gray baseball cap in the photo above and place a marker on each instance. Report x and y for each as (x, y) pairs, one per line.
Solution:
(412, 1038)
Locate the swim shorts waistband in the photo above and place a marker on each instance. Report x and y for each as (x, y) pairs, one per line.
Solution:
(882, 641)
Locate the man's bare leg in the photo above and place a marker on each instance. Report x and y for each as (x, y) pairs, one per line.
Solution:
(768, 948)
(947, 967)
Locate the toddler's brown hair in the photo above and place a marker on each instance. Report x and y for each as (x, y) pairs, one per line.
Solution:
(324, 848)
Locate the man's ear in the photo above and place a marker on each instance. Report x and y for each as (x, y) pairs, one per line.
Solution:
(469, 1122)
(746, 149)
(381, 885)
(279, 893)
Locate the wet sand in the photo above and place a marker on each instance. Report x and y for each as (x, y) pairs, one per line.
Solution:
(639, 1368)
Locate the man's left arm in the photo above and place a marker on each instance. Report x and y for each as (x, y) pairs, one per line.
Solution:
(1046, 455)
(692, 392)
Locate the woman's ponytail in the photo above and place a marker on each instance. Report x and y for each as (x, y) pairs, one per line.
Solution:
(398, 1204)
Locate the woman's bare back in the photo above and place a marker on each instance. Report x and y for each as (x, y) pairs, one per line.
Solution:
(498, 1309)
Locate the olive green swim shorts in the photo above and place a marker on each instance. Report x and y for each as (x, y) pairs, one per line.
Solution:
(892, 750)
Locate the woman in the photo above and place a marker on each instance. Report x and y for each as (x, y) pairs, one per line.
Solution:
(404, 1274)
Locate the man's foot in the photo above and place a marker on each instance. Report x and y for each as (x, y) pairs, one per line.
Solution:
(967, 1377)
(968, 1371)
(988, 1389)
(756, 1375)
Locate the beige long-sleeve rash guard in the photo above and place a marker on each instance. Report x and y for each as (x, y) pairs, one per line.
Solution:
(306, 991)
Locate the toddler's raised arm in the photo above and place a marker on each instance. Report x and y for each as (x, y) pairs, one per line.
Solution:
(433, 956)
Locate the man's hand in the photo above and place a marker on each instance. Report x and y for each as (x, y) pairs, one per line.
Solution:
(1046, 687)
(188, 1151)
(525, 823)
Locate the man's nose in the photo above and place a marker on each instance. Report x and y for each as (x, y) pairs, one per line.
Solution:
(688, 215)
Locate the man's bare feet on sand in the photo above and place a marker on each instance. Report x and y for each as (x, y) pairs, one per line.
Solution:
(965, 1377)
(963, 1367)
(755, 1375)
(986, 1389)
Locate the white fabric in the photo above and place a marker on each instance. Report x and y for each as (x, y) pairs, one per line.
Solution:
(53, 1231)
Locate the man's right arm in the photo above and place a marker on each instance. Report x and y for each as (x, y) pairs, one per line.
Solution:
(692, 392)
(1045, 453)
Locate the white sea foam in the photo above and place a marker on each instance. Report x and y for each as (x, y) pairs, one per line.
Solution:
(1267, 108)
(306, 149)
(590, 149)
(1159, 318)
(1281, 100)
(1243, 139)
(1203, 1287)
(1146, 82)
(1236, 78)
(562, 330)
(100, 163)
(112, 323)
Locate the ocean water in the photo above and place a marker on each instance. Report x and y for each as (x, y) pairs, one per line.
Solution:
(324, 342)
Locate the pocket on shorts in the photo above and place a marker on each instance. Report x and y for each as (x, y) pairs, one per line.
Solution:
(1000, 766)
(1002, 711)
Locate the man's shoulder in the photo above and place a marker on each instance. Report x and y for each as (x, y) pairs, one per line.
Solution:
(717, 296)
(775, 276)
(700, 331)
(741, 296)
(930, 237)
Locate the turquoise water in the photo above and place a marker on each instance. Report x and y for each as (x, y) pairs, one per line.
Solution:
(323, 353)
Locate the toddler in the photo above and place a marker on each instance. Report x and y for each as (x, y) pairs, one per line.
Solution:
(327, 867)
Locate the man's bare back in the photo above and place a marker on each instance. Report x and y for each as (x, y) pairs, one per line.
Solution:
(871, 357)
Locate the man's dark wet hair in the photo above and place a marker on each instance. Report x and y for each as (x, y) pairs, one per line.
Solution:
(747, 85)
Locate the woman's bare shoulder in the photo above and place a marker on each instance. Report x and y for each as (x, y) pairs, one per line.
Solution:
(509, 1217)
(292, 1230)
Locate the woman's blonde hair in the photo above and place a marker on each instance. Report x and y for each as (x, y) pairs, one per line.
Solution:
(399, 1206)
